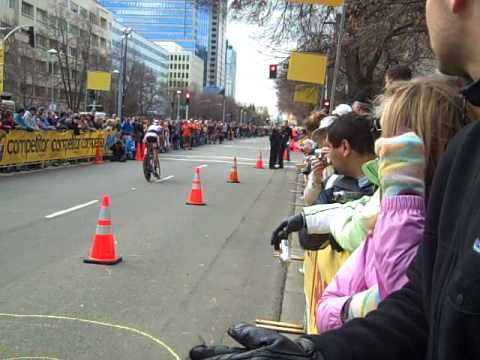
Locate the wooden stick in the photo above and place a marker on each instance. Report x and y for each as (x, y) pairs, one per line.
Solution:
(282, 329)
(292, 257)
(279, 324)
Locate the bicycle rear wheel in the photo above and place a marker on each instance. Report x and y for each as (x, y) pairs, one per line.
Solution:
(156, 167)
(147, 170)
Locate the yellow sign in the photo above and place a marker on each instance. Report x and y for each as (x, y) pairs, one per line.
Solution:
(99, 80)
(306, 94)
(19, 147)
(307, 67)
(320, 2)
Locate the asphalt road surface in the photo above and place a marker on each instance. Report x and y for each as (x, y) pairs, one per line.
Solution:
(188, 271)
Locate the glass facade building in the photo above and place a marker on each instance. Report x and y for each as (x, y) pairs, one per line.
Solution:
(182, 21)
(231, 71)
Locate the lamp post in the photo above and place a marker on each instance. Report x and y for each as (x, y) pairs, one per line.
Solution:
(123, 74)
(117, 86)
(179, 93)
(51, 53)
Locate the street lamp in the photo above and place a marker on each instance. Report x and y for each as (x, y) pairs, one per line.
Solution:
(126, 34)
(51, 53)
(179, 93)
(117, 86)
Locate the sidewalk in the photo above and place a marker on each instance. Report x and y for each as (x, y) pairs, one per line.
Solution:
(293, 305)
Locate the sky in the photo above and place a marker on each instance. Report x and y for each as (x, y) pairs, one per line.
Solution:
(253, 85)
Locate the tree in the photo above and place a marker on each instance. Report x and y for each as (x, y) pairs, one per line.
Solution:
(75, 42)
(378, 33)
(143, 92)
(25, 72)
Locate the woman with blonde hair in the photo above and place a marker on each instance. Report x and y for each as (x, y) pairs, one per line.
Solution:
(418, 120)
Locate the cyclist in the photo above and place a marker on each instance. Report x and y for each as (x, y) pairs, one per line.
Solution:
(154, 137)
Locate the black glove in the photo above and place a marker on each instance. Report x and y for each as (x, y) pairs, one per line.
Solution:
(287, 226)
(258, 344)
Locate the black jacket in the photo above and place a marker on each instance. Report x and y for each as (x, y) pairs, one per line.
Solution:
(436, 316)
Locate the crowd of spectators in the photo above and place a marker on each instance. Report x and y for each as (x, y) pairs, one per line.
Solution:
(129, 133)
(369, 170)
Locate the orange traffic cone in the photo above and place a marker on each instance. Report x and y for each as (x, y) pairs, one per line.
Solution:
(196, 195)
(144, 151)
(285, 155)
(138, 155)
(259, 164)
(233, 176)
(103, 244)
(98, 155)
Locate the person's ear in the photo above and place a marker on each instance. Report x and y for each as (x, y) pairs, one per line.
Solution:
(457, 5)
(346, 148)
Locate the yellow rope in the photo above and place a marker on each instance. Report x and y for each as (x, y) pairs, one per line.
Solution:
(94, 322)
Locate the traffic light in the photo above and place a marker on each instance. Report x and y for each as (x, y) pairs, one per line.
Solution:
(326, 104)
(187, 98)
(31, 36)
(273, 71)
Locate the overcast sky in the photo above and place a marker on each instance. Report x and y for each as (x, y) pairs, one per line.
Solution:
(253, 85)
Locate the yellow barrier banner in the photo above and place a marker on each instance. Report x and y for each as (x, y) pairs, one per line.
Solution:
(306, 94)
(320, 2)
(307, 67)
(309, 277)
(320, 268)
(20, 147)
(99, 80)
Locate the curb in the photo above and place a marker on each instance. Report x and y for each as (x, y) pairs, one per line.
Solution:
(294, 304)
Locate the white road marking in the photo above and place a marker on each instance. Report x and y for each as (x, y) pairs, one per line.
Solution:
(75, 208)
(165, 178)
(220, 162)
(202, 166)
(166, 156)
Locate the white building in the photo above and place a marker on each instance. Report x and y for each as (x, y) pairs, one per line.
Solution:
(185, 69)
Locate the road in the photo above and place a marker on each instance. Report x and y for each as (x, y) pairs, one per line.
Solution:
(188, 271)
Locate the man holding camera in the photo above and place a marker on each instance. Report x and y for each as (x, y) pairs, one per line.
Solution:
(350, 147)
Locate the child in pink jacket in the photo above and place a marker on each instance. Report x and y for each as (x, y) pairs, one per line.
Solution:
(378, 267)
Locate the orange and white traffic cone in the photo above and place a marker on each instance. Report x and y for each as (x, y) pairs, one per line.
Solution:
(285, 155)
(196, 195)
(98, 155)
(259, 164)
(138, 155)
(233, 176)
(103, 243)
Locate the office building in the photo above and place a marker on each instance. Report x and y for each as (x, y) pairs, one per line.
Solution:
(196, 25)
(217, 45)
(185, 22)
(231, 71)
(185, 69)
(33, 76)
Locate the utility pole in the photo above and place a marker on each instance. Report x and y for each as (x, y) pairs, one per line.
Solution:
(123, 72)
(340, 32)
